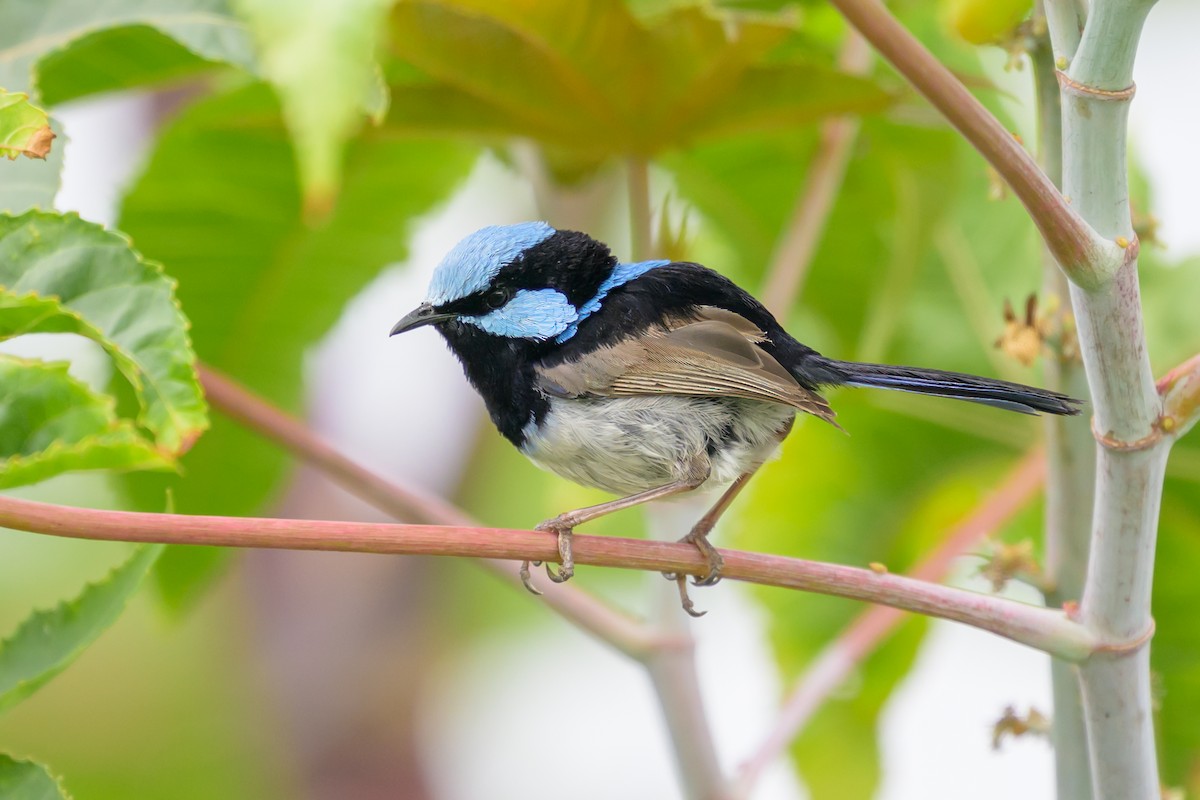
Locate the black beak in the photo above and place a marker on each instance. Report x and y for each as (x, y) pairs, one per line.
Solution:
(421, 315)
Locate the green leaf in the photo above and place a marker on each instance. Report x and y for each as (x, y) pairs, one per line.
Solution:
(25, 780)
(48, 641)
(24, 128)
(863, 501)
(877, 290)
(59, 274)
(85, 47)
(261, 284)
(1175, 651)
(320, 56)
(27, 130)
(32, 30)
(116, 59)
(51, 423)
(591, 77)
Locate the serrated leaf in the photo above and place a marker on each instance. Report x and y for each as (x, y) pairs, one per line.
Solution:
(320, 56)
(24, 128)
(60, 274)
(260, 284)
(26, 780)
(52, 423)
(592, 77)
(48, 641)
(34, 29)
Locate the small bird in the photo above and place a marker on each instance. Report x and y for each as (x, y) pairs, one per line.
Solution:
(648, 379)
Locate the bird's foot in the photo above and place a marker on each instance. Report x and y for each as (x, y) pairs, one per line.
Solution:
(715, 562)
(564, 527)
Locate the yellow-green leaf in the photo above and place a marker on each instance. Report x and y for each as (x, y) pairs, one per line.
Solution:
(26, 780)
(24, 128)
(591, 77)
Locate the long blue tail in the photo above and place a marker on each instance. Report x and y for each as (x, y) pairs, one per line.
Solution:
(960, 386)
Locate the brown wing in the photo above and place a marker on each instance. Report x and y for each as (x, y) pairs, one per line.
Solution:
(714, 354)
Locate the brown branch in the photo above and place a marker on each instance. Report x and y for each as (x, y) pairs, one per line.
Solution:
(867, 632)
(1075, 246)
(1042, 628)
(588, 612)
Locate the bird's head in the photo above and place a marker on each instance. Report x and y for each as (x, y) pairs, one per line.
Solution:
(519, 282)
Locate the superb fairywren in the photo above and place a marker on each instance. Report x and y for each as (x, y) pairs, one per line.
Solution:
(647, 379)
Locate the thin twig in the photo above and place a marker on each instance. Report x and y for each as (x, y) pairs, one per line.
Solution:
(789, 267)
(1041, 628)
(672, 671)
(588, 612)
(861, 638)
(640, 226)
(1075, 245)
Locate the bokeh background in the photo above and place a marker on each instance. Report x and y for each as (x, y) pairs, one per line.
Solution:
(292, 675)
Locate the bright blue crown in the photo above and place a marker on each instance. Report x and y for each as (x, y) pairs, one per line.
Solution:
(475, 261)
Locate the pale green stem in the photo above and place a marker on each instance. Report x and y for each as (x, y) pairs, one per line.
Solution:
(1096, 91)
(1066, 25)
(1070, 453)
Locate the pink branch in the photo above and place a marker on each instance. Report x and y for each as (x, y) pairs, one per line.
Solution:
(588, 612)
(1042, 628)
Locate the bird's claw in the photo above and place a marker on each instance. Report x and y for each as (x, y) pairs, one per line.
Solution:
(715, 564)
(527, 579)
(566, 571)
(684, 600)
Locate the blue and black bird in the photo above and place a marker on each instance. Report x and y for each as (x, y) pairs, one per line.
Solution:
(648, 379)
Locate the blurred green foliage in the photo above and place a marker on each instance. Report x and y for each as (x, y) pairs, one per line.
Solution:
(273, 199)
(26, 780)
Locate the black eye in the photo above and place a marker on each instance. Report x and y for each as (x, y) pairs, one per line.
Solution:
(497, 298)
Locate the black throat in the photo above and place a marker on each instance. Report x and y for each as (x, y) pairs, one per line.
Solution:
(501, 370)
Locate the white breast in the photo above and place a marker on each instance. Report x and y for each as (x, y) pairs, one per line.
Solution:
(626, 445)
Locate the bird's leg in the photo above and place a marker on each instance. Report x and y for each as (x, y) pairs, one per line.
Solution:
(564, 524)
(698, 535)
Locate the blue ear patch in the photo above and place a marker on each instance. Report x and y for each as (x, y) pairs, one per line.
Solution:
(531, 314)
(621, 275)
(477, 259)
